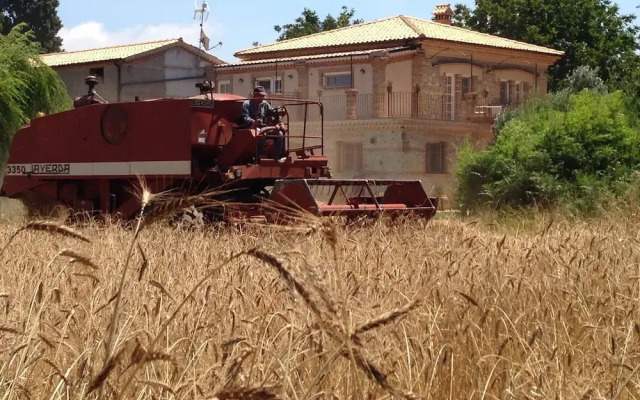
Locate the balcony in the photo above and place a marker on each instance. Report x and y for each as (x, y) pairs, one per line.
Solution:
(471, 108)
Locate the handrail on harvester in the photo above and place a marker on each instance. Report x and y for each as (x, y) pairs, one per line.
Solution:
(298, 102)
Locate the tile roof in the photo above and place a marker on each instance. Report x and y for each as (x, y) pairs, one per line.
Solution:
(311, 58)
(391, 29)
(123, 52)
(438, 31)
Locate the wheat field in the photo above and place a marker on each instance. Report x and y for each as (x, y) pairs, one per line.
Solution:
(453, 308)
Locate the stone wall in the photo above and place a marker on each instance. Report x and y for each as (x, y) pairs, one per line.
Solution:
(169, 74)
(397, 148)
(73, 78)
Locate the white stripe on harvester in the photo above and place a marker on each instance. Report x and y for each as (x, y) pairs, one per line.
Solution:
(101, 169)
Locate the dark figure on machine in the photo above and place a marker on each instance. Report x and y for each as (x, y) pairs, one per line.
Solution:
(254, 115)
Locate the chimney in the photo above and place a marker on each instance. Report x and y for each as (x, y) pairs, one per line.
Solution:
(443, 14)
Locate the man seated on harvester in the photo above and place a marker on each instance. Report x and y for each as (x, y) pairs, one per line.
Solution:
(254, 115)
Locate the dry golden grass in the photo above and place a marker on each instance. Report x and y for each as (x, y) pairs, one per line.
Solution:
(450, 309)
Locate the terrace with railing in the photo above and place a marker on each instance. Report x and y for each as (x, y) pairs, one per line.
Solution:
(471, 108)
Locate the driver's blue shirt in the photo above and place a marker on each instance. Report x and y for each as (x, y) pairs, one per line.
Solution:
(252, 110)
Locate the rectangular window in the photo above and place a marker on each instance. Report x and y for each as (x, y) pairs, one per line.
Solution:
(504, 93)
(98, 73)
(337, 80)
(448, 99)
(349, 156)
(224, 86)
(271, 85)
(435, 158)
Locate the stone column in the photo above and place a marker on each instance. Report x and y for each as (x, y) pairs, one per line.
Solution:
(457, 99)
(542, 83)
(418, 63)
(352, 95)
(415, 101)
(470, 102)
(527, 90)
(379, 65)
(303, 79)
(418, 66)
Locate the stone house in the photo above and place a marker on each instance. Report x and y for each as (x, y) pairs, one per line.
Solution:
(399, 94)
(165, 68)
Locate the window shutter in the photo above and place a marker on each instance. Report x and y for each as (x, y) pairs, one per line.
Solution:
(349, 156)
(436, 158)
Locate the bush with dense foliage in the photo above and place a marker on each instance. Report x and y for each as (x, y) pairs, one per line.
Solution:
(27, 85)
(570, 149)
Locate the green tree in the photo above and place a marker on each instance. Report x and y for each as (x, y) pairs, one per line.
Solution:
(573, 149)
(27, 85)
(309, 23)
(41, 17)
(591, 32)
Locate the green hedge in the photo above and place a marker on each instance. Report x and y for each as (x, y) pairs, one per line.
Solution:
(573, 150)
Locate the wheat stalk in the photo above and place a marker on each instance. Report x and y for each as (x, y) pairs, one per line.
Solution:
(107, 368)
(78, 258)
(233, 368)
(245, 394)
(161, 207)
(162, 289)
(136, 367)
(385, 318)
(146, 197)
(46, 226)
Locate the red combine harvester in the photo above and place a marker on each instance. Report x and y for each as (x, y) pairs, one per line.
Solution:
(88, 159)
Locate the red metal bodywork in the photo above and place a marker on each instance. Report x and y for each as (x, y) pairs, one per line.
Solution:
(87, 158)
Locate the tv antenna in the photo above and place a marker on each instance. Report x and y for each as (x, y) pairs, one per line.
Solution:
(203, 11)
(204, 15)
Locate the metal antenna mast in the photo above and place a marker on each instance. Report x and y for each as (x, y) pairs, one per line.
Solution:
(204, 15)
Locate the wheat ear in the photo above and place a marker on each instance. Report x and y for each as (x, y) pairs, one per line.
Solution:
(245, 394)
(385, 318)
(47, 226)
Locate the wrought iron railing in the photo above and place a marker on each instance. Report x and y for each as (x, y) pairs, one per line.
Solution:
(470, 107)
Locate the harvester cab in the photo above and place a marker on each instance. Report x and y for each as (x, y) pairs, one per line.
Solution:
(88, 158)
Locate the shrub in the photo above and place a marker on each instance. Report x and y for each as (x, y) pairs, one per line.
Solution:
(548, 156)
(584, 78)
(27, 85)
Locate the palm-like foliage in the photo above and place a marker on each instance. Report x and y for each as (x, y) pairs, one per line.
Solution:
(27, 85)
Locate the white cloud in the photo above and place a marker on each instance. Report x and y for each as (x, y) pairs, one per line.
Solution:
(92, 34)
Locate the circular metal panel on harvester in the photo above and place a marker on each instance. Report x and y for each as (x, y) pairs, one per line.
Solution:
(114, 124)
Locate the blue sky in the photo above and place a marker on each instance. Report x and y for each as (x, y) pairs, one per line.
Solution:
(237, 24)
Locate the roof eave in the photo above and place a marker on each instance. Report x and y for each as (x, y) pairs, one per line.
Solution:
(313, 51)
(552, 54)
(84, 63)
(329, 58)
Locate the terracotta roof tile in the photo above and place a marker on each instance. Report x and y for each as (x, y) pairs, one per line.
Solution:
(366, 32)
(435, 30)
(394, 28)
(115, 53)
